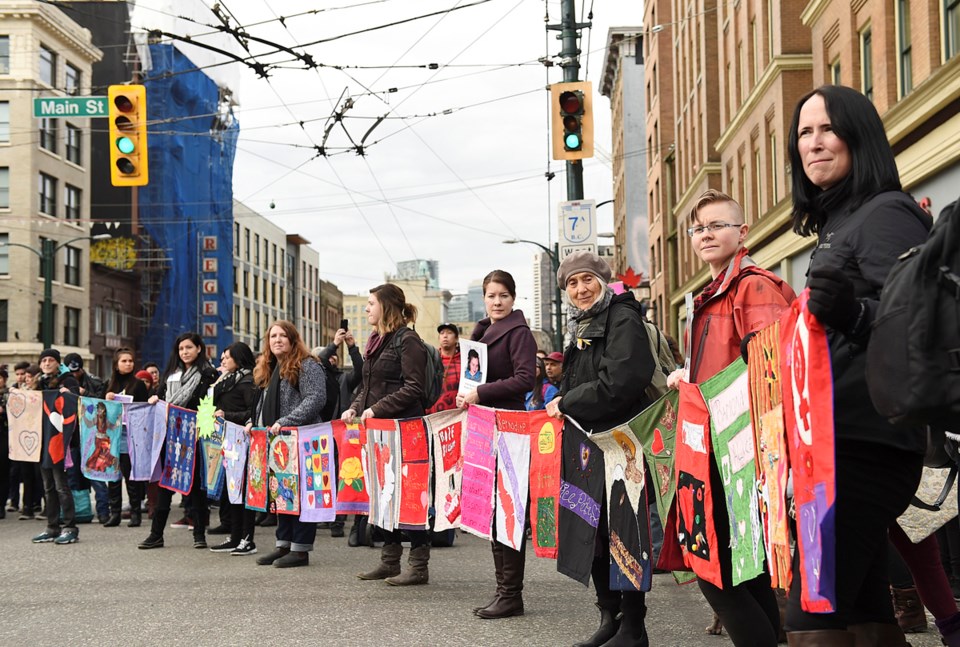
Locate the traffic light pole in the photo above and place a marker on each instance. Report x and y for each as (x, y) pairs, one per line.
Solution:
(570, 62)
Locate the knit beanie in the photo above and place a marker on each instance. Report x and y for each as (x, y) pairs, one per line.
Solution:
(50, 352)
(583, 261)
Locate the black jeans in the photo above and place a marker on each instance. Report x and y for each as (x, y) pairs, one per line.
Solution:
(294, 534)
(874, 486)
(197, 500)
(33, 490)
(748, 611)
(59, 499)
(135, 489)
(417, 537)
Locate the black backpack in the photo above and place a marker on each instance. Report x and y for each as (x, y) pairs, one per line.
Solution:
(913, 356)
(433, 385)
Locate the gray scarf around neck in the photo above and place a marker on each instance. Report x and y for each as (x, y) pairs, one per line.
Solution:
(579, 319)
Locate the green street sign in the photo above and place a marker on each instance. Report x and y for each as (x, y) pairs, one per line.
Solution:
(70, 107)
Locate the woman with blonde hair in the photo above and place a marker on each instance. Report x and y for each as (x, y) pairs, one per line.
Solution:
(293, 394)
(394, 375)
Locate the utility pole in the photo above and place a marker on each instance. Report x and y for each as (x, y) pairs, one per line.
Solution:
(569, 30)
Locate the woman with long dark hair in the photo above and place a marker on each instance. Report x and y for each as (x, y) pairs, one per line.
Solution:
(293, 393)
(543, 392)
(123, 381)
(394, 374)
(186, 380)
(234, 396)
(846, 190)
(511, 367)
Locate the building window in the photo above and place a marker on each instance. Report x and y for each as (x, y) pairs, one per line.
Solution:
(246, 284)
(264, 290)
(281, 298)
(266, 254)
(246, 244)
(904, 48)
(774, 162)
(71, 78)
(71, 268)
(246, 320)
(48, 195)
(866, 63)
(951, 24)
(4, 121)
(256, 249)
(4, 254)
(48, 66)
(273, 294)
(236, 280)
(71, 202)
(236, 239)
(73, 144)
(4, 309)
(256, 289)
(4, 55)
(757, 182)
(97, 320)
(274, 262)
(835, 72)
(4, 187)
(755, 37)
(71, 326)
(48, 134)
(236, 318)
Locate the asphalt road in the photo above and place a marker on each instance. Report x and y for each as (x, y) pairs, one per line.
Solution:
(103, 591)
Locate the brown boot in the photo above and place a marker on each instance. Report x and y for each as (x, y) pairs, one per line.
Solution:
(821, 638)
(389, 565)
(872, 634)
(417, 572)
(909, 610)
(498, 571)
(510, 601)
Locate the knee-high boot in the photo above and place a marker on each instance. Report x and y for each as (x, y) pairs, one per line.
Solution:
(632, 632)
(510, 601)
(498, 571)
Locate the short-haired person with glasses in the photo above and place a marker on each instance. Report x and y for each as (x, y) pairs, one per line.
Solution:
(740, 300)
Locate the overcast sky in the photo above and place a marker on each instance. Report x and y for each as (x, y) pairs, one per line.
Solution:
(455, 185)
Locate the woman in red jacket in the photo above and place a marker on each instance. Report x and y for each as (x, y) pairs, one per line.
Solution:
(740, 300)
(511, 370)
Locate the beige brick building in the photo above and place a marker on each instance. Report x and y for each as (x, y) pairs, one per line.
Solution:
(723, 80)
(44, 179)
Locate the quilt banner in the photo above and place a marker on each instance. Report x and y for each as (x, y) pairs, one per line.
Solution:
(695, 527)
(318, 497)
(766, 412)
(448, 429)
(212, 447)
(179, 456)
(582, 486)
(146, 430)
(728, 400)
(513, 481)
(808, 409)
(284, 472)
(257, 470)
(628, 518)
(235, 447)
(414, 496)
(100, 428)
(25, 425)
(479, 472)
(383, 471)
(352, 494)
(544, 434)
(59, 421)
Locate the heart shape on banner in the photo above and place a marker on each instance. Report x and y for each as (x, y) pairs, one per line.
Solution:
(16, 404)
(29, 440)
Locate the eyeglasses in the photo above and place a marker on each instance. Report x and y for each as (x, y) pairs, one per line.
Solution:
(712, 227)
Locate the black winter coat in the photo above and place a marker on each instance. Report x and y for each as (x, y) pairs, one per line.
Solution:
(604, 383)
(865, 244)
(236, 400)
(393, 383)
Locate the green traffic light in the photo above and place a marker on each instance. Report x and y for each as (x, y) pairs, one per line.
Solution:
(572, 141)
(125, 145)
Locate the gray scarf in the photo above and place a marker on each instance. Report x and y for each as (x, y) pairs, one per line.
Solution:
(189, 380)
(580, 319)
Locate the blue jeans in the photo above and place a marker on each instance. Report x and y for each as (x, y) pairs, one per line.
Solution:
(294, 534)
(101, 493)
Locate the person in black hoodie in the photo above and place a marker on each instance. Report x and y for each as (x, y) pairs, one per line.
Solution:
(124, 382)
(186, 380)
(235, 396)
(55, 377)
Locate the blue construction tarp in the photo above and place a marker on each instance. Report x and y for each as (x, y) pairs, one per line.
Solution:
(187, 207)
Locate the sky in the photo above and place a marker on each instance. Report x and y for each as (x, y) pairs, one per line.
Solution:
(442, 177)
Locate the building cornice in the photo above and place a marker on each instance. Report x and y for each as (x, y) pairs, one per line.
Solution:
(55, 21)
(933, 95)
(936, 152)
(813, 11)
(705, 170)
(779, 65)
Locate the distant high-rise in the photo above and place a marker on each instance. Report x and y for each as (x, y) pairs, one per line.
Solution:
(475, 297)
(418, 268)
(544, 283)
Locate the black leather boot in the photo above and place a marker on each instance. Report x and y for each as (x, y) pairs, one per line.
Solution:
(609, 625)
(510, 601)
(498, 571)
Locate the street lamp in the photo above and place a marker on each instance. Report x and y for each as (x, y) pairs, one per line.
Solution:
(554, 256)
(47, 256)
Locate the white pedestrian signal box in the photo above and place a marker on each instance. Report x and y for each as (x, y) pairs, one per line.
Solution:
(577, 226)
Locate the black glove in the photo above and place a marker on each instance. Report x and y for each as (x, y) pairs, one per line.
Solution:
(743, 346)
(831, 299)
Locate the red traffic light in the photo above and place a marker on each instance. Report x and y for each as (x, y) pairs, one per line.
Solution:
(570, 102)
(123, 103)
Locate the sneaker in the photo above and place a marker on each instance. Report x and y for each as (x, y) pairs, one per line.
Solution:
(12, 508)
(40, 516)
(199, 543)
(185, 522)
(224, 547)
(25, 515)
(67, 537)
(152, 541)
(244, 548)
(45, 537)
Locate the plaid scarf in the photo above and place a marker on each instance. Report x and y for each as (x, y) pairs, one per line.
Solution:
(709, 291)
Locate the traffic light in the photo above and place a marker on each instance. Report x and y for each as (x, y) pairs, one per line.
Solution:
(127, 107)
(571, 105)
